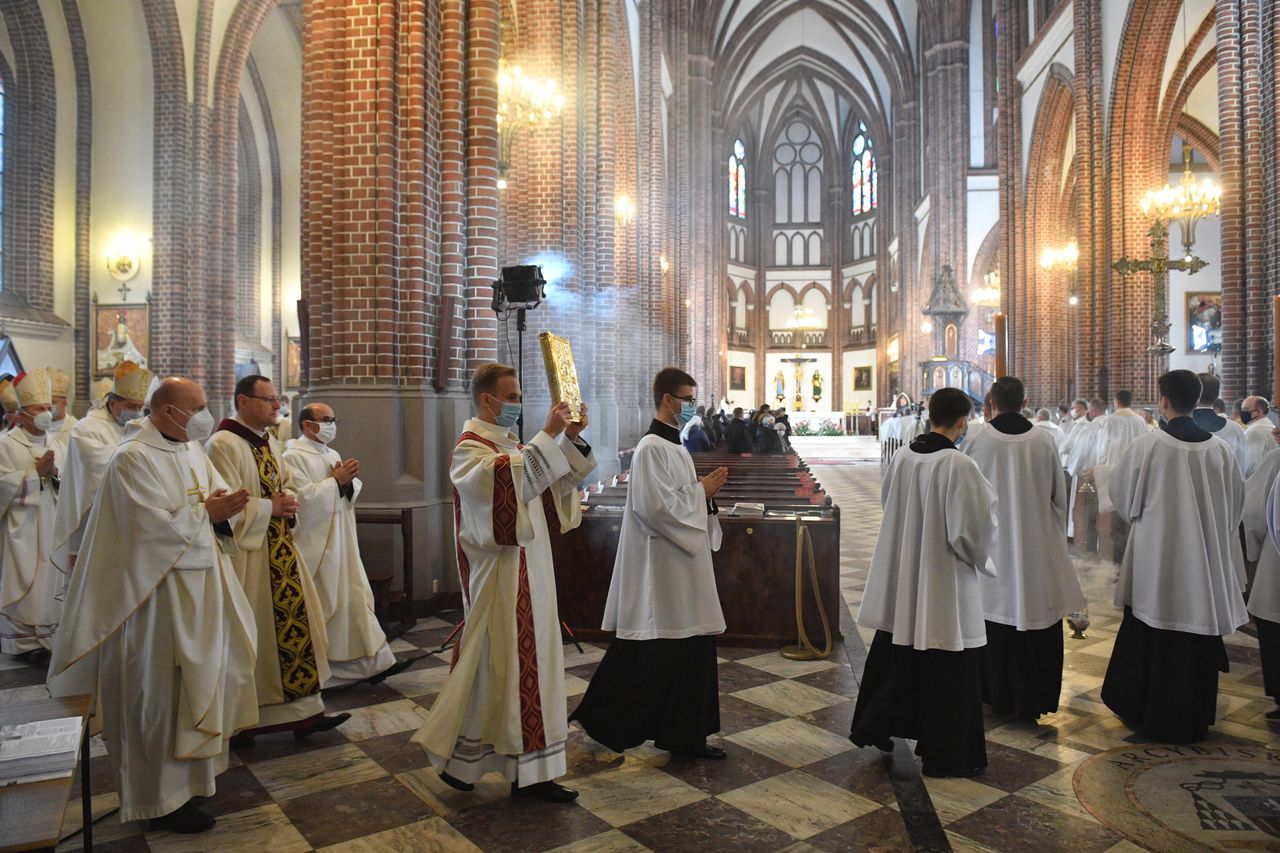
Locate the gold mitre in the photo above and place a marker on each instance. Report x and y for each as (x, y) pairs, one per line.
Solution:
(59, 382)
(8, 397)
(32, 388)
(99, 389)
(131, 381)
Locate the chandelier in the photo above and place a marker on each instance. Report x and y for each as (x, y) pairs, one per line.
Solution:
(802, 324)
(523, 103)
(1063, 259)
(1187, 203)
(988, 295)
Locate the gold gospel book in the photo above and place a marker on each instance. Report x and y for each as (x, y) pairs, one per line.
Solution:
(562, 376)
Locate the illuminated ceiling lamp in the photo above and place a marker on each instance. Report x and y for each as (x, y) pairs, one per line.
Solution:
(523, 102)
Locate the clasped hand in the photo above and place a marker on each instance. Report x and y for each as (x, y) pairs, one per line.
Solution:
(45, 466)
(222, 505)
(714, 481)
(345, 472)
(284, 506)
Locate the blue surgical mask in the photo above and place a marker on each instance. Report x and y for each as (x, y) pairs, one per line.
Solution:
(510, 415)
(687, 411)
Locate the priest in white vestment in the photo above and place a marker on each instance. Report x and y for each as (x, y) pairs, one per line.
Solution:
(327, 489)
(1034, 583)
(90, 444)
(292, 663)
(158, 628)
(923, 677)
(1257, 433)
(1209, 420)
(1044, 421)
(63, 420)
(1261, 526)
(1079, 451)
(30, 582)
(503, 708)
(1117, 431)
(1182, 578)
(658, 680)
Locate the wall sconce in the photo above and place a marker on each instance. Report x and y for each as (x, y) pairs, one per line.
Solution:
(624, 210)
(927, 327)
(124, 257)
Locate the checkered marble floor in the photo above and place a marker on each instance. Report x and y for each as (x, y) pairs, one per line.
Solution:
(792, 782)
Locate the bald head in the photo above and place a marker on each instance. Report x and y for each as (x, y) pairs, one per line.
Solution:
(174, 402)
(1254, 408)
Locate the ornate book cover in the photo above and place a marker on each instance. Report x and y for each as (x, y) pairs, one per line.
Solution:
(562, 376)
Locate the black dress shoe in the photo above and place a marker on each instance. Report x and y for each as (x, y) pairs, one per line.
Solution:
(454, 782)
(550, 792)
(704, 750)
(188, 820)
(395, 669)
(1273, 714)
(36, 657)
(323, 724)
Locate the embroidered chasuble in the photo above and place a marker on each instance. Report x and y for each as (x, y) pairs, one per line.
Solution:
(277, 583)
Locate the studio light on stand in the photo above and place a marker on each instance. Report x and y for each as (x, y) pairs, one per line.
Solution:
(523, 289)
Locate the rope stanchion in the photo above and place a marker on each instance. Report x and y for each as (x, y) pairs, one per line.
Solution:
(804, 649)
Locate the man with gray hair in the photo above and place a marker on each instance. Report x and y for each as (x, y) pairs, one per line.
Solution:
(1044, 420)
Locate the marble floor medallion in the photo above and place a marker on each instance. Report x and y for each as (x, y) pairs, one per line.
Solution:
(1186, 797)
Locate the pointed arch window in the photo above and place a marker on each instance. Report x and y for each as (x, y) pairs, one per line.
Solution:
(738, 181)
(864, 182)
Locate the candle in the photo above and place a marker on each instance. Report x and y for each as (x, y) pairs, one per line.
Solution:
(1001, 346)
(1275, 349)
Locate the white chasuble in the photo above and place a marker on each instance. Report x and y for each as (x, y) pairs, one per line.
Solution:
(30, 582)
(935, 537)
(90, 443)
(503, 708)
(1260, 520)
(326, 536)
(292, 647)
(1258, 443)
(158, 628)
(1183, 569)
(1034, 583)
(1117, 432)
(663, 585)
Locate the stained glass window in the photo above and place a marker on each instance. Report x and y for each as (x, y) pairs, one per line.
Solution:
(864, 173)
(738, 181)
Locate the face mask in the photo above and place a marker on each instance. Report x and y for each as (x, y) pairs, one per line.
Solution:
(199, 425)
(56, 426)
(327, 433)
(43, 421)
(1246, 416)
(687, 411)
(959, 440)
(128, 415)
(509, 416)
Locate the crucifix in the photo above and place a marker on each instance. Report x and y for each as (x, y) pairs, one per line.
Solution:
(124, 291)
(799, 362)
(1159, 265)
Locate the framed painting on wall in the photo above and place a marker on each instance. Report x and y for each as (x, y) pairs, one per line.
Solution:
(121, 332)
(1204, 322)
(737, 378)
(862, 379)
(293, 363)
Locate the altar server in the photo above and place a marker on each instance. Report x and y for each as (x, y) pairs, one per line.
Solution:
(63, 420)
(1257, 433)
(1208, 419)
(30, 583)
(158, 628)
(327, 489)
(503, 708)
(658, 680)
(90, 443)
(292, 664)
(1079, 452)
(923, 677)
(1182, 575)
(1034, 584)
(1117, 431)
(1261, 523)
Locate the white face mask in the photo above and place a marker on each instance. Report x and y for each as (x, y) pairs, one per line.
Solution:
(43, 421)
(327, 433)
(199, 425)
(56, 426)
(128, 415)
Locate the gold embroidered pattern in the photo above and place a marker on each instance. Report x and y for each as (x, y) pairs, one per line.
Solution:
(298, 673)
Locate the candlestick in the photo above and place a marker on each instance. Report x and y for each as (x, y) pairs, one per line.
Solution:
(1002, 366)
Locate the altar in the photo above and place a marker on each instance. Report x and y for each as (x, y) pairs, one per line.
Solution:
(816, 421)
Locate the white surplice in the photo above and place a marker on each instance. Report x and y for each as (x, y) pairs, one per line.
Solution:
(157, 627)
(503, 708)
(1183, 569)
(326, 535)
(1260, 506)
(1258, 443)
(935, 537)
(90, 443)
(1116, 432)
(1051, 428)
(1033, 584)
(663, 584)
(232, 455)
(30, 582)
